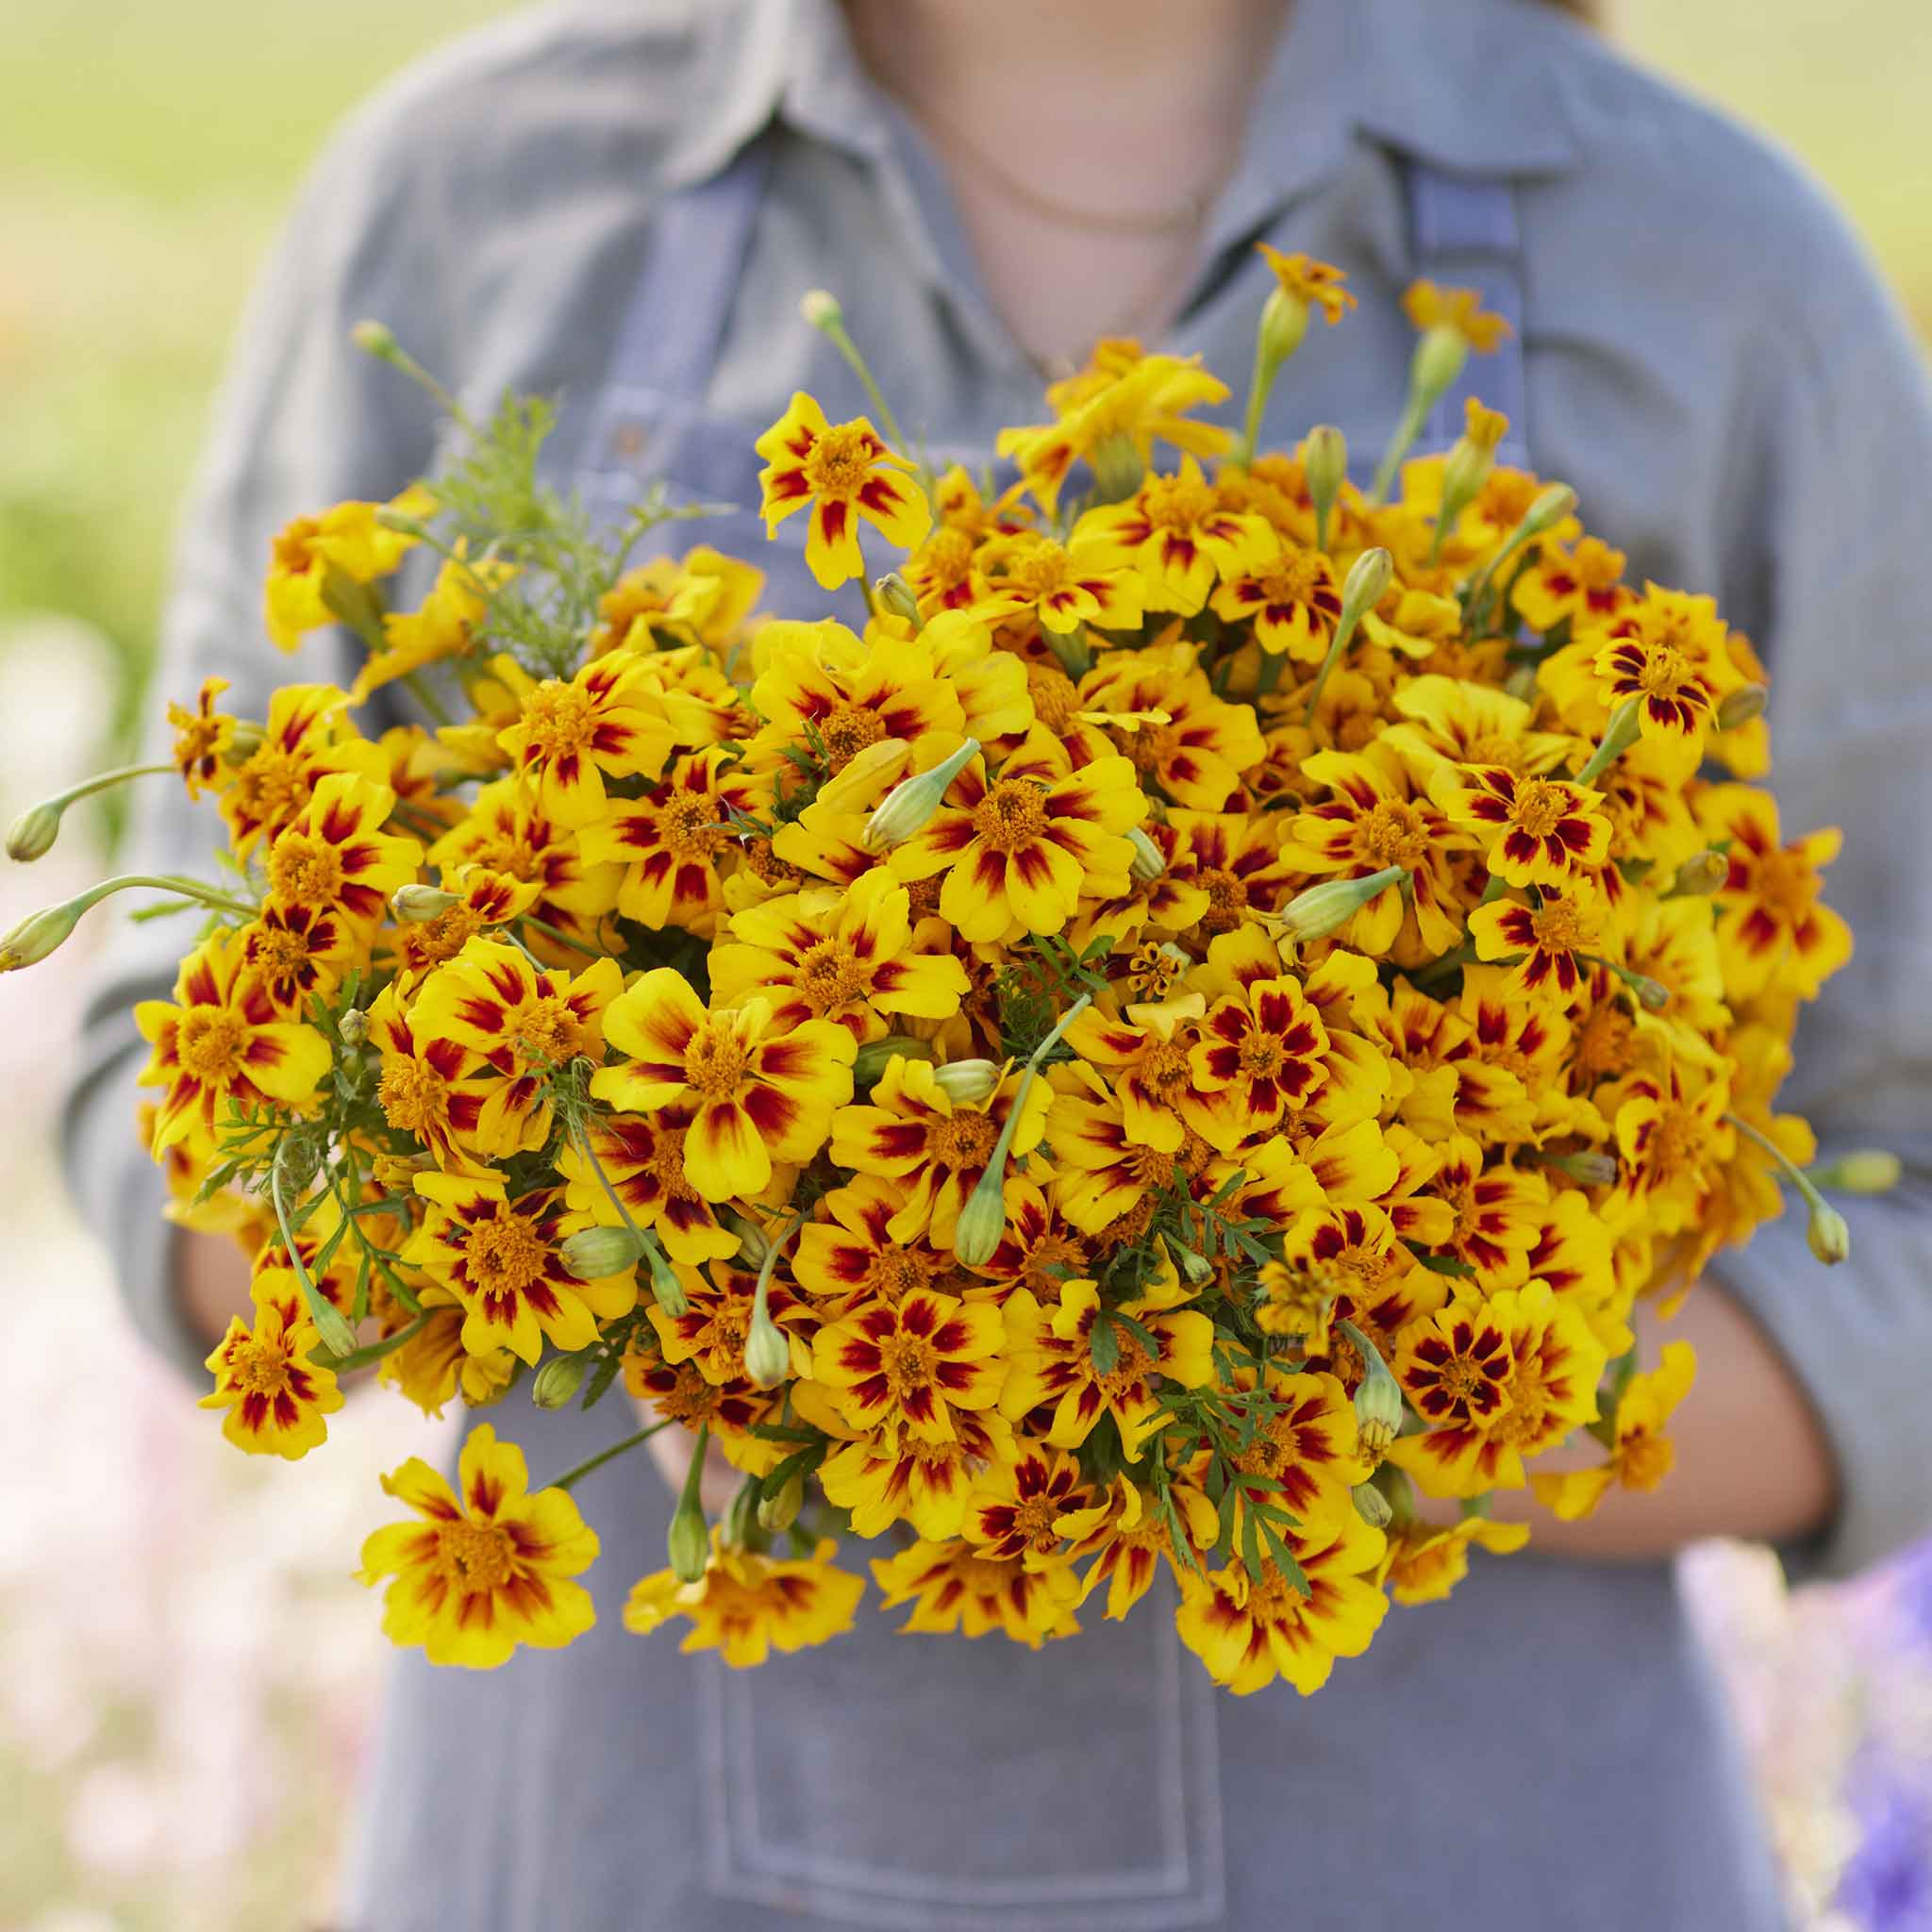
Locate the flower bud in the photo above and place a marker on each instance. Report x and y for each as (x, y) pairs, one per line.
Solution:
(1549, 509)
(666, 1289)
(29, 943)
(1367, 580)
(1325, 467)
(869, 1062)
(243, 742)
(982, 1222)
(33, 833)
(912, 801)
(595, 1253)
(820, 309)
(1284, 322)
(1372, 1505)
(767, 1354)
(1377, 1398)
(1829, 1239)
(417, 904)
(1652, 995)
(1197, 1268)
(689, 1544)
(1149, 861)
(1588, 1168)
(1441, 353)
(1700, 876)
(751, 1245)
(1464, 473)
(1118, 467)
(1867, 1170)
(966, 1083)
(1741, 705)
(894, 595)
(354, 1026)
(779, 1510)
(557, 1381)
(1327, 908)
(374, 339)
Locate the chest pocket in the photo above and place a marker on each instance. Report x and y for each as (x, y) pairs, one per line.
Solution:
(650, 437)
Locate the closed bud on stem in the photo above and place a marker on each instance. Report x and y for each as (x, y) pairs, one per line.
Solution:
(1866, 1170)
(983, 1220)
(418, 904)
(1549, 509)
(375, 339)
(779, 1510)
(1284, 324)
(1324, 465)
(1652, 995)
(753, 1247)
(1377, 1398)
(1149, 861)
(1117, 467)
(767, 1354)
(1327, 908)
(820, 309)
(1197, 1268)
(966, 1083)
(594, 1253)
(1829, 1237)
(1366, 582)
(33, 833)
(1587, 1168)
(1741, 705)
(557, 1381)
(1440, 356)
(689, 1544)
(741, 1528)
(354, 1026)
(244, 743)
(872, 1059)
(1372, 1505)
(29, 941)
(666, 1289)
(894, 595)
(1464, 474)
(911, 803)
(1700, 876)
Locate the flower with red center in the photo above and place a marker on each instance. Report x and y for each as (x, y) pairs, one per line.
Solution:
(1144, 1052)
(1773, 931)
(1673, 1141)
(905, 1367)
(757, 1092)
(1641, 1454)
(1667, 653)
(1016, 1512)
(1260, 1052)
(1301, 1452)
(607, 722)
(1052, 1355)
(676, 842)
(1498, 1209)
(275, 1395)
(1129, 1534)
(1584, 583)
(430, 1087)
(1291, 599)
(850, 1254)
(746, 1605)
(1448, 721)
(1236, 859)
(335, 856)
(524, 1025)
(731, 1410)
(1176, 535)
(642, 1162)
(846, 474)
(1063, 587)
(202, 739)
(843, 957)
(296, 951)
(1535, 831)
(1548, 946)
(1019, 850)
(483, 899)
(503, 1261)
(1249, 1631)
(221, 1042)
(488, 1566)
(953, 1586)
(886, 1478)
(1194, 745)
(306, 737)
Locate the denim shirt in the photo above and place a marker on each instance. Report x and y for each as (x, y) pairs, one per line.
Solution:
(1711, 361)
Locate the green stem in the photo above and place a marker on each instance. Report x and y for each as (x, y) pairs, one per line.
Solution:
(418, 687)
(1619, 735)
(102, 780)
(559, 936)
(183, 888)
(1414, 414)
(375, 1351)
(571, 1478)
(337, 1335)
(1344, 636)
(1793, 1172)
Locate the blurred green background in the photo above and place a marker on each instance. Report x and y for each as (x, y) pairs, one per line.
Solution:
(147, 146)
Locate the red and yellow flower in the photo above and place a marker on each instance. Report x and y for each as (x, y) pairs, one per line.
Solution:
(1773, 931)
(747, 1605)
(571, 735)
(1173, 532)
(905, 1367)
(275, 1393)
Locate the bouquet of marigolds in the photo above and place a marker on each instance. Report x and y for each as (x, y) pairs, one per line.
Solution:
(1178, 1047)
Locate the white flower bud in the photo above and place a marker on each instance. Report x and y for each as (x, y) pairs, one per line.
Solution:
(418, 904)
(966, 1083)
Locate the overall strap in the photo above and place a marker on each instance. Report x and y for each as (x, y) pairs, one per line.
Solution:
(1464, 233)
(667, 346)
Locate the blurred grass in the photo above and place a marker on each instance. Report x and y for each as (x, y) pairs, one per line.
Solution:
(147, 147)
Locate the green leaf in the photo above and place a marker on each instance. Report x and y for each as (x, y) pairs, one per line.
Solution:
(1103, 1345)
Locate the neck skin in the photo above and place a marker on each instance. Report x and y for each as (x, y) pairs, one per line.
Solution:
(1110, 106)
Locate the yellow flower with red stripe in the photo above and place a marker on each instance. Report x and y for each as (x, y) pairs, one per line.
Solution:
(488, 1566)
(307, 734)
(953, 1586)
(203, 739)
(570, 736)
(757, 1092)
(711, 1330)
(1584, 583)
(826, 692)
(1535, 831)
(1291, 598)
(1032, 575)
(448, 624)
(1641, 1454)
(1016, 1514)
(1194, 745)
(347, 545)
(847, 476)
(1423, 1565)
(336, 857)
(747, 1605)
(1548, 946)
(906, 1366)
(640, 1158)
(1260, 1052)
(222, 1042)
(1301, 279)
(275, 1393)
(1129, 1537)
(1773, 931)
(851, 1256)
(430, 1086)
(1667, 656)
(1174, 533)
(885, 1478)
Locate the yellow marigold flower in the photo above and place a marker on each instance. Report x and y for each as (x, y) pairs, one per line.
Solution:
(1032, 575)
(1498, 1213)
(1143, 1053)
(641, 1159)
(1484, 429)
(304, 738)
(485, 1570)
(1104, 1181)
(1459, 310)
(482, 898)
(906, 1366)
(346, 542)
(274, 1395)
(434, 1368)
(219, 1043)
(1668, 653)
(1301, 279)
(1304, 1446)
(1020, 850)
(1584, 583)
(745, 1606)
(1260, 1052)
(950, 1586)
(1546, 944)
(847, 475)
(1773, 931)
(297, 951)
(1175, 534)
(935, 1149)
(703, 594)
(1641, 1454)
(607, 722)
(892, 1477)
(1250, 1631)
(1291, 598)
(430, 1087)
(1672, 1142)
(1195, 744)
(718, 1306)
(334, 856)
(1423, 1565)
(503, 1261)
(1128, 1537)
(757, 1093)
(1017, 1510)
(1051, 1352)
(852, 1256)
(1536, 831)
(445, 625)
(202, 737)
(524, 1025)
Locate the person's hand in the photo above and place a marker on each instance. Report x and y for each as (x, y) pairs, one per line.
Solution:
(671, 1450)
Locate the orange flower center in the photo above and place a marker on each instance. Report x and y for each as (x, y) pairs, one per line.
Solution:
(1227, 898)
(295, 545)
(1164, 1068)
(1664, 671)
(1301, 576)
(1540, 807)
(559, 718)
(847, 732)
(765, 864)
(304, 871)
(1012, 815)
(276, 953)
(1174, 503)
(1786, 884)
(907, 1363)
(1674, 1144)
(896, 1272)
(1643, 1460)
(1054, 697)
(413, 1096)
(210, 1043)
(1460, 1379)
(688, 824)
(271, 786)
(260, 1368)
(1033, 1520)
(1559, 927)
(947, 560)
(715, 1062)
(689, 1399)
(1148, 1166)
(505, 1255)
(829, 977)
(1129, 1369)
(1393, 833)
(442, 938)
(1050, 1251)
(839, 461)
(1262, 1056)
(1043, 571)
(548, 1033)
(1604, 1042)
(473, 1557)
(961, 1139)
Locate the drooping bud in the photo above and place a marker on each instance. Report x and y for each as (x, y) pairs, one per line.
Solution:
(869, 1062)
(244, 742)
(1826, 1234)
(894, 595)
(375, 339)
(689, 1544)
(1327, 908)
(418, 904)
(666, 1289)
(778, 1511)
(33, 833)
(751, 1245)
(1372, 1505)
(982, 1222)
(1197, 1268)
(966, 1083)
(557, 1381)
(1588, 1168)
(595, 1253)
(767, 1354)
(1377, 1398)
(1325, 466)
(33, 938)
(1741, 705)
(1652, 995)
(1866, 1170)
(1700, 876)
(912, 801)
(354, 1027)
(1149, 861)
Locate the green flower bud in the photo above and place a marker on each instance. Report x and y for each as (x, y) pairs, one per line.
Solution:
(1362, 590)
(1118, 467)
(1741, 705)
(1372, 1505)
(1324, 465)
(33, 833)
(1867, 1170)
(1197, 1268)
(557, 1381)
(912, 801)
(1149, 861)
(1440, 356)
(29, 941)
(820, 309)
(354, 1026)
(246, 743)
(1588, 1168)
(872, 1059)
(1284, 324)
(1549, 509)
(966, 1083)
(666, 1289)
(375, 339)
(417, 904)
(595, 1253)
(767, 1354)
(1327, 908)
(779, 1510)
(1377, 1399)
(894, 595)
(1829, 1239)
(982, 1222)
(1700, 876)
